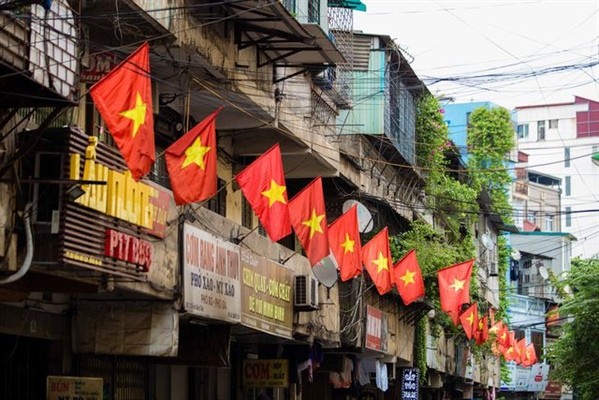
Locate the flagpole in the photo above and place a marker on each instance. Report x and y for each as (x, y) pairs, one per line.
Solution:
(283, 261)
(240, 239)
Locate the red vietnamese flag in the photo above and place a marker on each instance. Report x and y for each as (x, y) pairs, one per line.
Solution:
(482, 330)
(263, 185)
(469, 320)
(496, 327)
(124, 99)
(344, 240)
(492, 313)
(503, 336)
(509, 350)
(408, 278)
(530, 355)
(454, 287)
(309, 221)
(520, 348)
(191, 162)
(376, 256)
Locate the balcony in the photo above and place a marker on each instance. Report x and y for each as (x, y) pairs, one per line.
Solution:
(39, 53)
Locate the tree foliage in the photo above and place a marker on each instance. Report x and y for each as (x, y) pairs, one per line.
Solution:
(490, 139)
(575, 353)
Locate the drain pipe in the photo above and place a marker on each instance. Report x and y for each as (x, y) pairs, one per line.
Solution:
(29, 256)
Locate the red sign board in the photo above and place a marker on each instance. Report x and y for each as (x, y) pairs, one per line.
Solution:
(128, 248)
(374, 319)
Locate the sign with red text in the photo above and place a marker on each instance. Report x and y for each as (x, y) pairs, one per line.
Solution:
(211, 276)
(73, 388)
(265, 373)
(124, 247)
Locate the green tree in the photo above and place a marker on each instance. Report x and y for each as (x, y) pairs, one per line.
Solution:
(575, 353)
(490, 139)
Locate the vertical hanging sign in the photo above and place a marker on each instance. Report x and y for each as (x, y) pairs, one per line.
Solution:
(409, 384)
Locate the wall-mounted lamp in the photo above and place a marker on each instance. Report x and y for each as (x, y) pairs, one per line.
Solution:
(74, 192)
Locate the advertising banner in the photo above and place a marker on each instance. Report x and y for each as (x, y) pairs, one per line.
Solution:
(409, 384)
(376, 329)
(266, 295)
(73, 388)
(211, 281)
(265, 373)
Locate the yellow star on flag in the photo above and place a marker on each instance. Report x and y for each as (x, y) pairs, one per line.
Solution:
(457, 285)
(480, 325)
(137, 114)
(381, 262)
(348, 244)
(275, 193)
(314, 223)
(470, 319)
(408, 278)
(195, 153)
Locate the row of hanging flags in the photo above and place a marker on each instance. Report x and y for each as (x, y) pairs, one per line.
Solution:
(124, 99)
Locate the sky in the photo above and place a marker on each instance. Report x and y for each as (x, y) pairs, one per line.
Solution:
(512, 53)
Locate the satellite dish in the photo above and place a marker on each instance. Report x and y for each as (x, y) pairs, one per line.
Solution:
(325, 271)
(515, 254)
(543, 272)
(365, 222)
(487, 241)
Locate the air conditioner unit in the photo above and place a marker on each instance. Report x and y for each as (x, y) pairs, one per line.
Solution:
(493, 269)
(305, 292)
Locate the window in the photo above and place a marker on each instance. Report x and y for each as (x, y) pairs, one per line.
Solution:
(553, 124)
(218, 203)
(247, 214)
(532, 217)
(468, 125)
(541, 130)
(314, 11)
(536, 338)
(522, 131)
(289, 5)
(566, 157)
(568, 216)
(47, 195)
(549, 223)
(568, 186)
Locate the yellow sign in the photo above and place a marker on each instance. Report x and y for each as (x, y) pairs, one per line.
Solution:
(265, 373)
(266, 295)
(73, 388)
(122, 197)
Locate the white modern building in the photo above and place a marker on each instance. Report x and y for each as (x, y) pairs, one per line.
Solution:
(560, 140)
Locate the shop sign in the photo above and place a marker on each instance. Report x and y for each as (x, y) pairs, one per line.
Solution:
(511, 384)
(211, 282)
(538, 377)
(409, 384)
(100, 64)
(73, 388)
(265, 373)
(522, 379)
(553, 389)
(121, 197)
(128, 248)
(266, 295)
(376, 329)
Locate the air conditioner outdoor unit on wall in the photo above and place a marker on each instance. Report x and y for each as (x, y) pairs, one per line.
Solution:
(305, 289)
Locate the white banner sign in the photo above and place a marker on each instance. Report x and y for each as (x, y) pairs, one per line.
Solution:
(211, 276)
